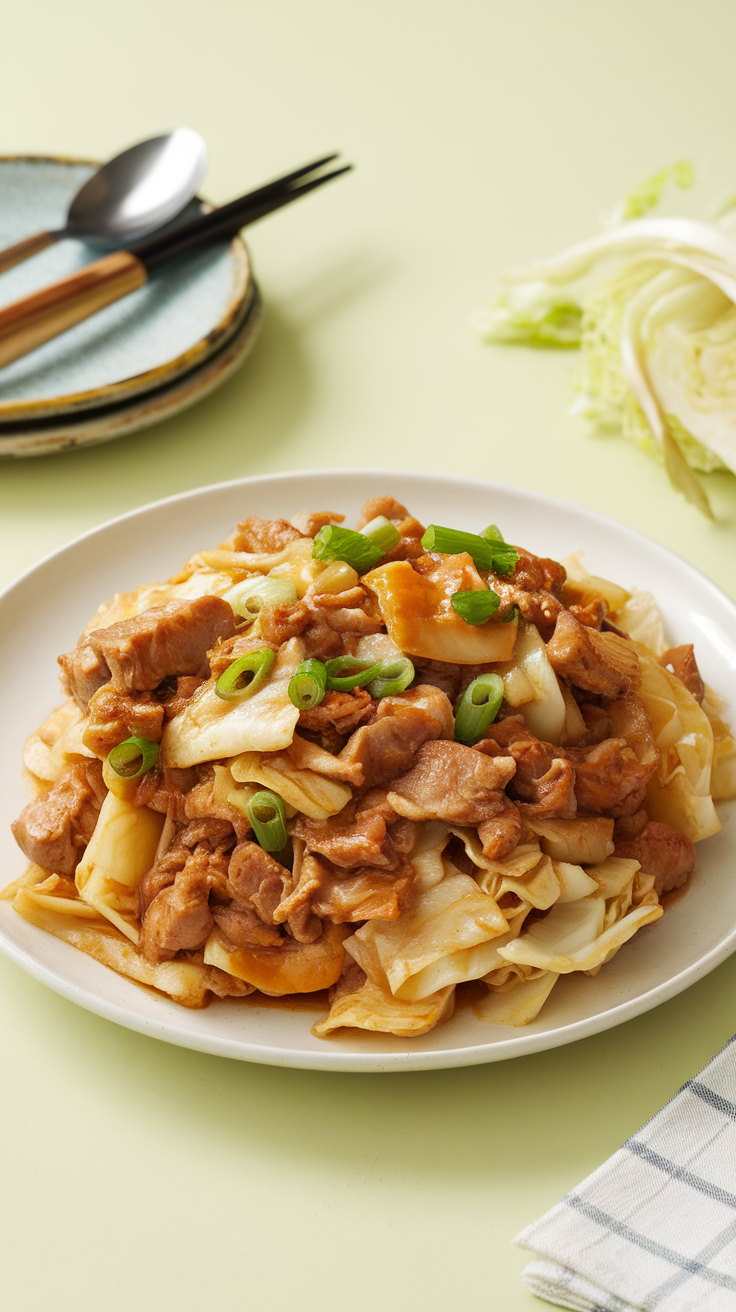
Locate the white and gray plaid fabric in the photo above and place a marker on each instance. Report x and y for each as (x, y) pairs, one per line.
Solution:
(654, 1228)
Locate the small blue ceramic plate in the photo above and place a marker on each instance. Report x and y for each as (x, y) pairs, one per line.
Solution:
(170, 326)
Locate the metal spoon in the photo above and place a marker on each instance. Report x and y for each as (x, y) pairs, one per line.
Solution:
(137, 191)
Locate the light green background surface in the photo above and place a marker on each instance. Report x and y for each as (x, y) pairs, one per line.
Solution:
(141, 1176)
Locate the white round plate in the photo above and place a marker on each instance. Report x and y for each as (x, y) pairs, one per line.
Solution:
(44, 612)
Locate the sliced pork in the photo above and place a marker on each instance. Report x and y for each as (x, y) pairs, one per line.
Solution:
(454, 783)
(166, 640)
(55, 828)
(661, 851)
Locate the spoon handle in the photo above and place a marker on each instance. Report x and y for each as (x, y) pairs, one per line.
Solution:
(35, 319)
(22, 250)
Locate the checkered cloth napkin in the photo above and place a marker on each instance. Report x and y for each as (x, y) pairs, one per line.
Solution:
(654, 1228)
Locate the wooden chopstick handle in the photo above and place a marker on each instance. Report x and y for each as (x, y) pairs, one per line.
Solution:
(22, 250)
(35, 319)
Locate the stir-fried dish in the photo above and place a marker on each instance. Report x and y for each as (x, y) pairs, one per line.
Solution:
(389, 762)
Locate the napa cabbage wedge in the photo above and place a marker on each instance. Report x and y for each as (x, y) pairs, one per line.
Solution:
(657, 335)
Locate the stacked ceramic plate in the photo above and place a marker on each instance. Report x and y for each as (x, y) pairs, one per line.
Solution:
(136, 362)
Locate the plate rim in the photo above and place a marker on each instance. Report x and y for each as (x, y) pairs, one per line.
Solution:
(91, 428)
(68, 403)
(332, 1058)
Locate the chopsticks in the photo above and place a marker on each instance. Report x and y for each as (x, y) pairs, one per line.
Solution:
(35, 319)
(229, 219)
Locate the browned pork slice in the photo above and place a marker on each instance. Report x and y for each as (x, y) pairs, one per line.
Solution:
(501, 834)
(454, 783)
(349, 840)
(259, 535)
(55, 828)
(114, 716)
(609, 778)
(257, 878)
(661, 851)
(166, 640)
(283, 621)
(83, 673)
(261, 883)
(362, 894)
(409, 546)
(681, 661)
(351, 611)
(243, 927)
(211, 839)
(309, 522)
(341, 711)
(387, 506)
(601, 663)
(179, 916)
(544, 781)
(387, 747)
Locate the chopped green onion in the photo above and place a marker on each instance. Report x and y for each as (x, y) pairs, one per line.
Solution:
(511, 616)
(268, 818)
(249, 597)
(394, 675)
(307, 685)
(382, 533)
(245, 676)
(451, 541)
(345, 672)
(503, 556)
(477, 707)
(335, 543)
(476, 607)
(134, 757)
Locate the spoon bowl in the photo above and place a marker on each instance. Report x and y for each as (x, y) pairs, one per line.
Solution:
(139, 190)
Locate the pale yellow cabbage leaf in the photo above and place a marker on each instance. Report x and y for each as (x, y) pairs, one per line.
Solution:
(371, 1007)
(311, 793)
(640, 617)
(723, 770)
(519, 1005)
(184, 981)
(210, 729)
(580, 840)
(573, 881)
(545, 712)
(438, 922)
(679, 792)
(52, 747)
(120, 851)
(572, 936)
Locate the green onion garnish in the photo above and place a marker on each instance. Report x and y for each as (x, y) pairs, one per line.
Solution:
(245, 676)
(308, 684)
(511, 616)
(134, 757)
(345, 672)
(394, 675)
(477, 707)
(268, 818)
(451, 541)
(249, 597)
(503, 557)
(382, 533)
(335, 543)
(476, 607)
